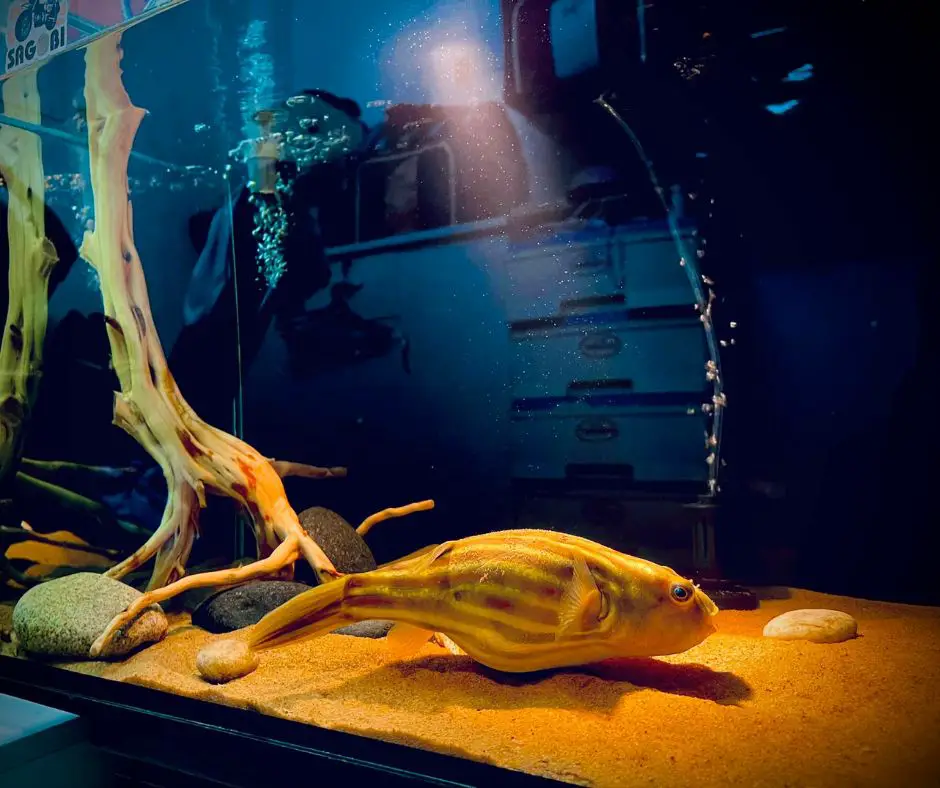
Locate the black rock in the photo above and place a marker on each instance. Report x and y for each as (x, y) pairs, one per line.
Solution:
(338, 539)
(728, 595)
(244, 605)
(188, 601)
(367, 629)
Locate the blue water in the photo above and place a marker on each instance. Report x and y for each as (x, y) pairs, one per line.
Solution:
(441, 347)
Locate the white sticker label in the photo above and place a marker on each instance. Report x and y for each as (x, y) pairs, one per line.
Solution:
(35, 30)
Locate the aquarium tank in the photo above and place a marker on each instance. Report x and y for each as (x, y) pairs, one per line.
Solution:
(467, 392)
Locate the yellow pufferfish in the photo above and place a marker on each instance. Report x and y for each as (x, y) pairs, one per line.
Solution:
(516, 601)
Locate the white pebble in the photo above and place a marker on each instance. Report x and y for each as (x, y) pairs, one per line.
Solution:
(224, 660)
(816, 625)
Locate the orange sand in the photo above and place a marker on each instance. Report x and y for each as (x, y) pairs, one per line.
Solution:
(737, 710)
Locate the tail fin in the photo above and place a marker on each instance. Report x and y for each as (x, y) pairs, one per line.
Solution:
(314, 612)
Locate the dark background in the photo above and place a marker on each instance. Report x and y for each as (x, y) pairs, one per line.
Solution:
(819, 242)
(817, 222)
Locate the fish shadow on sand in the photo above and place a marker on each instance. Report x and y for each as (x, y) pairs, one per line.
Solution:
(438, 682)
(691, 680)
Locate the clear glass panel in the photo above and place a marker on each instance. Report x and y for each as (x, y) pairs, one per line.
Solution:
(70, 472)
(465, 276)
(486, 266)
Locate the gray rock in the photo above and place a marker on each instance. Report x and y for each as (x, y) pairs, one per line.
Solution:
(63, 617)
(816, 625)
(366, 629)
(338, 539)
(244, 605)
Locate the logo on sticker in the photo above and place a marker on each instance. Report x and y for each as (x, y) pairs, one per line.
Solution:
(35, 29)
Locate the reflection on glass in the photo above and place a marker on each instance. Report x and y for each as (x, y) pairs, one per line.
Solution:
(355, 360)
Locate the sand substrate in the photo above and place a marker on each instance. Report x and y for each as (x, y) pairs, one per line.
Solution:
(739, 709)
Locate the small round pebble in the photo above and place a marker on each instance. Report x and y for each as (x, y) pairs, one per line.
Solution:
(815, 625)
(225, 660)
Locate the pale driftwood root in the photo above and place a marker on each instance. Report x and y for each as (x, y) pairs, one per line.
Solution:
(284, 468)
(294, 547)
(395, 511)
(286, 553)
(32, 257)
(193, 455)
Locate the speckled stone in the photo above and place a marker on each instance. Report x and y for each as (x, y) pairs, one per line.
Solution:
(244, 605)
(366, 629)
(338, 539)
(815, 625)
(63, 617)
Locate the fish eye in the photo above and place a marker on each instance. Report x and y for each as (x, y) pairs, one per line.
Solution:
(680, 593)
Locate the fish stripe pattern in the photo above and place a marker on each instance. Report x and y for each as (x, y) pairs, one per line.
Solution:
(516, 600)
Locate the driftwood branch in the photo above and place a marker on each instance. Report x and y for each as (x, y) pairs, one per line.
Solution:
(193, 455)
(32, 258)
(283, 468)
(387, 514)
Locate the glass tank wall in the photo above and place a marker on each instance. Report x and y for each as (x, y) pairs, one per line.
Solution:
(386, 352)
(424, 285)
(68, 463)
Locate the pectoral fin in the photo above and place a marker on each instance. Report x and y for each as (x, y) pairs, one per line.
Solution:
(405, 639)
(446, 643)
(581, 602)
(439, 552)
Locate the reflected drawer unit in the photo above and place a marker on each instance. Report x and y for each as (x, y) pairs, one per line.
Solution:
(608, 349)
(608, 360)
(562, 271)
(625, 439)
(561, 275)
